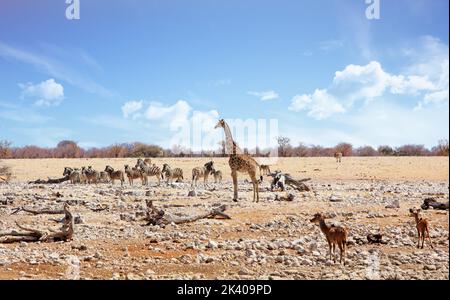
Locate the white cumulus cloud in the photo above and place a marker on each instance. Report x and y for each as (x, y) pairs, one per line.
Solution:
(46, 93)
(320, 104)
(426, 80)
(265, 96)
(175, 115)
(130, 109)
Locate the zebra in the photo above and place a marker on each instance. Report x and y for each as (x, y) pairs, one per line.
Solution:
(148, 170)
(75, 176)
(115, 175)
(103, 177)
(172, 173)
(146, 161)
(217, 176)
(264, 170)
(134, 173)
(67, 171)
(91, 175)
(204, 172)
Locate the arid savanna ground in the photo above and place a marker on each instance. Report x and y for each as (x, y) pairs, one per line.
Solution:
(269, 239)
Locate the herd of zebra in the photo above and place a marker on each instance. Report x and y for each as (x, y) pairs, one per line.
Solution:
(142, 170)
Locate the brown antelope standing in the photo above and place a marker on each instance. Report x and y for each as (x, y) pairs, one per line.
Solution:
(338, 156)
(334, 235)
(422, 227)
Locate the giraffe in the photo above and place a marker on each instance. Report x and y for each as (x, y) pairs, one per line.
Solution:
(239, 162)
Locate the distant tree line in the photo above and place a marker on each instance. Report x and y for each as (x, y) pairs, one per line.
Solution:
(70, 149)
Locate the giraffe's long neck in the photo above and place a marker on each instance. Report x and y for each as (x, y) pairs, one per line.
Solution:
(230, 146)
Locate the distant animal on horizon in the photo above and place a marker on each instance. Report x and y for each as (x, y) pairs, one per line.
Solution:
(338, 156)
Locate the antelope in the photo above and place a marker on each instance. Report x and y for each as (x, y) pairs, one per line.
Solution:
(338, 156)
(172, 173)
(113, 175)
(334, 235)
(204, 172)
(422, 227)
(134, 173)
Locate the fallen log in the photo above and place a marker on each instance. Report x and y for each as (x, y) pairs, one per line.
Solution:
(38, 212)
(65, 233)
(50, 180)
(159, 217)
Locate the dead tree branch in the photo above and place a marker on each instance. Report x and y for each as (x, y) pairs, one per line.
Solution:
(50, 180)
(156, 216)
(65, 233)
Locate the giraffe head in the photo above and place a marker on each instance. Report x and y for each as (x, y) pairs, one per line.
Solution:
(221, 123)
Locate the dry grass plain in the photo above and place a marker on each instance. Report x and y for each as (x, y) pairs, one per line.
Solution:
(270, 239)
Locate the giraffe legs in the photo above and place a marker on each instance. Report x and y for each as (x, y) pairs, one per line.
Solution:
(235, 187)
(255, 187)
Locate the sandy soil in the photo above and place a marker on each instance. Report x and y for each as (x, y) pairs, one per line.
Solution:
(270, 239)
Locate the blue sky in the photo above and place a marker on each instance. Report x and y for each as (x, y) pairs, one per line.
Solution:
(142, 70)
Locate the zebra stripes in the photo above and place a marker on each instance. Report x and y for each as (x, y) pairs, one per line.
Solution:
(171, 174)
(204, 172)
(152, 170)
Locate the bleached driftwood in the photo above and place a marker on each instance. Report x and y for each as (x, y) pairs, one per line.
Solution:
(28, 234)
(5, 174)
(280, 180)
(50, 180)
(156, 216)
